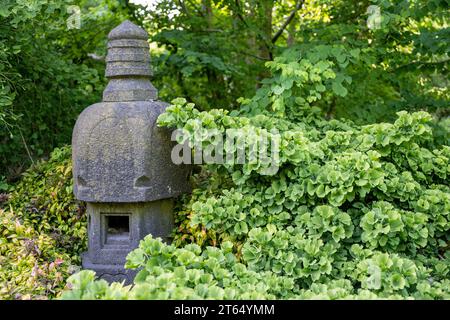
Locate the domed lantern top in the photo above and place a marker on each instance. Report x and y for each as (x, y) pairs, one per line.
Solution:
(119, 154)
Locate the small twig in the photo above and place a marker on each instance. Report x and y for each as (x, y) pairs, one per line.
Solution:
(96, 57)
(288, 20)
(253, 56)
(183, 6)
(26, 146)
(421, 63)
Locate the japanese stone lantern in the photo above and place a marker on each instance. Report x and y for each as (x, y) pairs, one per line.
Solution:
(122, 163)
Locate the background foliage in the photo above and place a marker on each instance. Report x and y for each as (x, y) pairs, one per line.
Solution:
(212, 53)
(360, 205)
(47, 75)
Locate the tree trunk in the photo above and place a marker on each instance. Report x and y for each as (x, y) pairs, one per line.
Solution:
(207, 11)
(291, 32)
(265, 35)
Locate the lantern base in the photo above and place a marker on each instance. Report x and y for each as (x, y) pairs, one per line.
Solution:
(109, 272)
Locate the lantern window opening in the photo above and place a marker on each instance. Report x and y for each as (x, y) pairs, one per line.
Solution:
(117, 229)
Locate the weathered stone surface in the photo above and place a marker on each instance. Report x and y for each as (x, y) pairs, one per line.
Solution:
(109, 244)
(109, 272)
(122, 161)
(128, 30)
(127, 51)
(119, 154)
(107, 247)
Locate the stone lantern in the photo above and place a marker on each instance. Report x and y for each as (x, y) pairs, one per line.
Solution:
(122, 163)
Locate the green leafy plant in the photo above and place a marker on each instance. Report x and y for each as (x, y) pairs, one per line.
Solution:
(349, 206)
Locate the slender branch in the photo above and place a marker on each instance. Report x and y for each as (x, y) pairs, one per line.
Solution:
(197, 9)
(253, 56)
(239, 14)
(26, 146)
(288, 20)
(183, 6)
(96, 57)
(266, 43)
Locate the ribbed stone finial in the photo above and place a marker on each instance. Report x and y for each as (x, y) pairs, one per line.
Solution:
(127, 30)
(128, 65)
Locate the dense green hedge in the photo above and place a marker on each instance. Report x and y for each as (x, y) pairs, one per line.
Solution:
(353, 212)
(42, 231)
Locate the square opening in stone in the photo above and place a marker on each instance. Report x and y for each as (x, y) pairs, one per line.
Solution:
(117, 229)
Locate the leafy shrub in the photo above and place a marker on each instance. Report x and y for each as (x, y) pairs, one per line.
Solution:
(42, 231)
(168, 272)
(352, 212)
(185, 232)
(183, 273)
